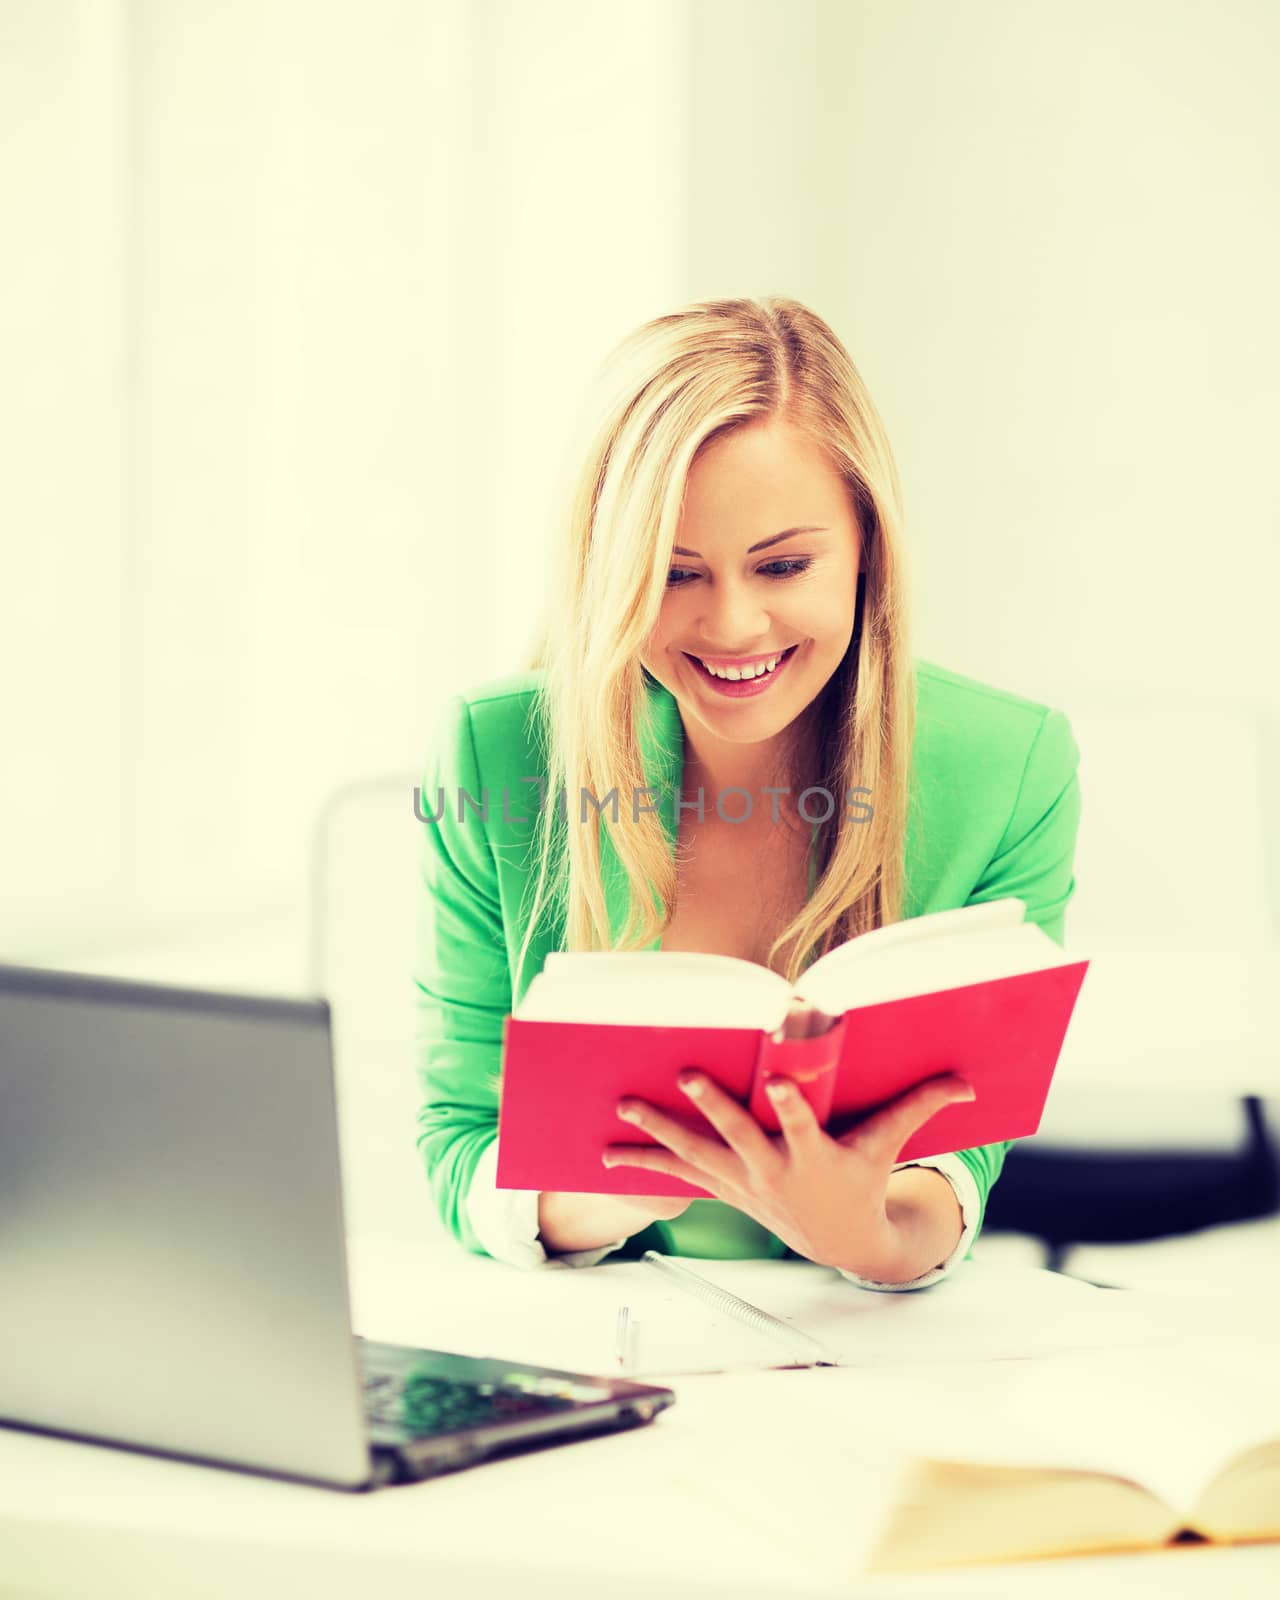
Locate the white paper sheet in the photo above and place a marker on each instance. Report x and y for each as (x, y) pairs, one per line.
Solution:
(565, 1317)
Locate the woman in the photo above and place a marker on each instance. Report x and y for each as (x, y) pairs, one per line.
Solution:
(728, 640)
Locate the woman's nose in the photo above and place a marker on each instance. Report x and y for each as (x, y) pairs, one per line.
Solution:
(733, 618)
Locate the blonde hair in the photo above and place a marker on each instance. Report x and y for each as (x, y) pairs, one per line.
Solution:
(663, 394)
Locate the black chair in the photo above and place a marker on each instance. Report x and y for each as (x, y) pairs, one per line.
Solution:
(1068, 1197)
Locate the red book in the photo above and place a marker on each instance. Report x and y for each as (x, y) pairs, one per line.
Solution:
(978, 991)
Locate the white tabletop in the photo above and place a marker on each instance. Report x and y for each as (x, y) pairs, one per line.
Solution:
(627, 1514)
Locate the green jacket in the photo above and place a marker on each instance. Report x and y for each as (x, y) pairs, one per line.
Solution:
(995, 804)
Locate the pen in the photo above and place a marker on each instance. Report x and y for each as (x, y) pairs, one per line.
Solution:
(624, 1313)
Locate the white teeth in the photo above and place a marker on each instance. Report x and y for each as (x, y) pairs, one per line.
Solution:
(734, 675)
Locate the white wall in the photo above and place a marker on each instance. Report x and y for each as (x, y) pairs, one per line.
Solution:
(301, 292)
(580, 143)
(1061, 254)
(65, 447)
(300, 296)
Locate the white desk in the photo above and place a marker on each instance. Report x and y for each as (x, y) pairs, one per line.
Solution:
(78, 1519)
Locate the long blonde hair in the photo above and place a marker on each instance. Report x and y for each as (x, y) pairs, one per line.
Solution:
(663, 394)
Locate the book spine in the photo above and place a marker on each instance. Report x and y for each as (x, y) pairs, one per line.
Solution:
(811, 1064)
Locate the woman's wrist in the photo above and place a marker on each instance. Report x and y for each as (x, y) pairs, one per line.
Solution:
(570, 1221)
(923, 1224)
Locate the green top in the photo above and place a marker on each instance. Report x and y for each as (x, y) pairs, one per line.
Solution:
(994, 808)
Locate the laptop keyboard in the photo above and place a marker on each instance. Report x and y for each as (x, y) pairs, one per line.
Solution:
(428, 1404)
(425, 1402)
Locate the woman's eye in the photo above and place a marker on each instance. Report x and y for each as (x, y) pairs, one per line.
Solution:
(788, 568)
(677, 577)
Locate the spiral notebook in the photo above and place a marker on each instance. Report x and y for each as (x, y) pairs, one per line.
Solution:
(688, 1321)
(791, 1346)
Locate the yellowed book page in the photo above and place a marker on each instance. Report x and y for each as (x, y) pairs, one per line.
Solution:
(1171, 1418)
(844, 1502)
(1244, 1501)
(1105, 1450)
(951, 1515)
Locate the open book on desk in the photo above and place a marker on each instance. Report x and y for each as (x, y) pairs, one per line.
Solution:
(1093, 1451)
(977, 991)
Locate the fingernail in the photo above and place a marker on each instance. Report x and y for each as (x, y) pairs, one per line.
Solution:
(779, 1090)
(690, 1085)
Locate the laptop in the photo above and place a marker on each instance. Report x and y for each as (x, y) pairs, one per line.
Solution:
(173, 1258)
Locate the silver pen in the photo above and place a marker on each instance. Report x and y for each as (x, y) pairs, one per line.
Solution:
(624, 1313)
(627, 1336)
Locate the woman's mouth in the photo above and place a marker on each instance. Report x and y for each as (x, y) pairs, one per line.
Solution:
(741, 688)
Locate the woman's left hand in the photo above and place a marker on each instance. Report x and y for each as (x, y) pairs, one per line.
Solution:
(826, 1198)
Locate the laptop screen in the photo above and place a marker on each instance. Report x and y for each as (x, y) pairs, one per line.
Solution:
(171, 1226)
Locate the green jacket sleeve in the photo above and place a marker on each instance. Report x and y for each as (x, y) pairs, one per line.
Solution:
(462, 982)
(1034, 862)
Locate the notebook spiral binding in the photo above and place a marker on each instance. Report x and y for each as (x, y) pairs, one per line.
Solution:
(806, 1350)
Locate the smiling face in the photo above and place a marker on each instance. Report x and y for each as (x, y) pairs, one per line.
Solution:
(738, 594)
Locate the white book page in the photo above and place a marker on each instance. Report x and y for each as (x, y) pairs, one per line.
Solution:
(1170, 1416)
(958, 921)
(845, 978)
(857, 1430)
(655, 988)
(944, 949)
(578, 966)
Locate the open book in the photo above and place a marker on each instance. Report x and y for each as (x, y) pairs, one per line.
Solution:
(1087, 1452)
(977, 991)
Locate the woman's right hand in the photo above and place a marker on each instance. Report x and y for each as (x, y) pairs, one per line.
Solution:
(571, 1221)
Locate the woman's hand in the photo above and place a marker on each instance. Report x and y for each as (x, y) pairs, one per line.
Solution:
(570, 1220)
(826, 1198)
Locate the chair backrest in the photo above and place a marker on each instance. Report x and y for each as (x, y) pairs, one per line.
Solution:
(362, 905)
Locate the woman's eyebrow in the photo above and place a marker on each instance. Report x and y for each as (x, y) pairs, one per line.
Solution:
(764, 544)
